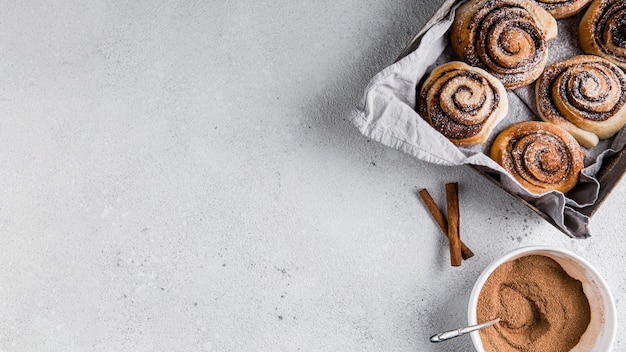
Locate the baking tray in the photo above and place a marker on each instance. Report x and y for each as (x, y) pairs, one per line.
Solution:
(612, 168)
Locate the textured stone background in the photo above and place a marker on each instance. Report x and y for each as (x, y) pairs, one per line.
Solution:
(182, 176)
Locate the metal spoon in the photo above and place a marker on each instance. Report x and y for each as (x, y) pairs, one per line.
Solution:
(462, 331)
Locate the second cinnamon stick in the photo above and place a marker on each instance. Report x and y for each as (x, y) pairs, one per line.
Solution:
(454, 235)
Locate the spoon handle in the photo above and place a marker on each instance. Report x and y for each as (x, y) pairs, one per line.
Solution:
(447, 335)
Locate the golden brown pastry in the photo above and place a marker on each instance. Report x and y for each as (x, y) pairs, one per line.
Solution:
(563, 8)
(586, 95)
(508, 38)
(540, 155)
(462, 102)
(602, 30)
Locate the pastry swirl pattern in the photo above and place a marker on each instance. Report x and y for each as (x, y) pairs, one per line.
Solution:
(463, 103)
(539, 155)
(563, 8)
(602, 30)
(508, 38)
(586, 95)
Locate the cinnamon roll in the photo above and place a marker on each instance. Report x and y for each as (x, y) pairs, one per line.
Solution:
(563, 8)
(540, 155)
(508, 38)
(462, 102)
(586, 95)
(602, 30)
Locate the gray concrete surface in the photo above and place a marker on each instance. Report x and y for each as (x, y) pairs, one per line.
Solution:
(182, 176)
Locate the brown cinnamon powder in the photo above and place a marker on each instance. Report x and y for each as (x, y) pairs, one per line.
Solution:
(541, 307)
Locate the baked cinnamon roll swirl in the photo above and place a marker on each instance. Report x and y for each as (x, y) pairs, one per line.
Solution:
(563, 8)
(508, 38)
(540, 155)
(586, 95)
(462, 102)
(602, 30)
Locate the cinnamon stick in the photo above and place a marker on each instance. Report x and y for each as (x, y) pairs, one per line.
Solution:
(436, 213)
(454, 234)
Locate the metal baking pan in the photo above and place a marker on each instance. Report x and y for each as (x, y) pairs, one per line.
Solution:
(612, 168)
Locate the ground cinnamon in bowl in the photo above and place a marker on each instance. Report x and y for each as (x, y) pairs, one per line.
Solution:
(541, 307)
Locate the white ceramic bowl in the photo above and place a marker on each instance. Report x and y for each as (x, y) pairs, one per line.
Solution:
(600, 334)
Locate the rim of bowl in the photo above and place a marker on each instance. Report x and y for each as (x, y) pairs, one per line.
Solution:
(610, 317)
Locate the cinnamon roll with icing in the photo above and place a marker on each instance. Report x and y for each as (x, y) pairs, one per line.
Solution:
(563, 8)
(586, 95)
(462, 102)
(602, 30)
(541, 156)
(507, 38)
